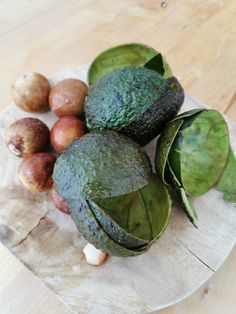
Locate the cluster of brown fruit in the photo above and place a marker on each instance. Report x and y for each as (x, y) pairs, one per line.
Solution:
(30, 138)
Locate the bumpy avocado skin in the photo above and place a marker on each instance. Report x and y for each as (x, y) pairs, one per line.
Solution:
(99, 165)
(135, 101)
(149, 124)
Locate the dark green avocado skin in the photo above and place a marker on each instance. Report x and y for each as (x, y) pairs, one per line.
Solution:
(90, 228)
(113, 230)
(149, 124)
(99, 165)
(134, 101)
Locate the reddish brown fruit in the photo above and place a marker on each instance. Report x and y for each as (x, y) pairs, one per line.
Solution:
(60, 202)
(35, 172)
(64, 131)
(27, 136)
(67, 97)
(30, 92)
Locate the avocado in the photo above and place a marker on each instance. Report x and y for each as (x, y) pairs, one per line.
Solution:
(112, 227)
(135, 101)
(99, 165)
(118, 225)
(89, 227)
(114, 199)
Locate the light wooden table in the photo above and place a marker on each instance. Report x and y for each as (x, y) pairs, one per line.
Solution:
(199, 40)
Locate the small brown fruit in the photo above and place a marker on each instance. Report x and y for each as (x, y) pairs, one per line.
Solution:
(35, 172)
(27, 136)
(67, 97)
(60, 202)
(30, 92)
(64, 131)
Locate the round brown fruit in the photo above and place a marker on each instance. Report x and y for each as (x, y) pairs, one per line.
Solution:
(30, 92)
(35, 172)
(27, 136)
(64, 131)
(67, 97)
(60, 202)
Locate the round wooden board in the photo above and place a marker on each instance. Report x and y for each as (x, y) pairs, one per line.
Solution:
(49, 244)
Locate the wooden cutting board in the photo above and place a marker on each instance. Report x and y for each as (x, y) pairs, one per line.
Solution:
(48, 242)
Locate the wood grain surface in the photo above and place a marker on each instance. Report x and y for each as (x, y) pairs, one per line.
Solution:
(197, 37)
(48, 243)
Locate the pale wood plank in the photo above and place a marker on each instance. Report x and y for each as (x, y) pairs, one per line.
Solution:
(22, 292)
(217, 296)
(22, 12)
(191, 256)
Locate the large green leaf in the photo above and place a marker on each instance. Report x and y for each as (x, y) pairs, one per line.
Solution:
(144, 213)
(122, 56)
(163, 147)
(227, 181)
(99, 165)
(204, 152)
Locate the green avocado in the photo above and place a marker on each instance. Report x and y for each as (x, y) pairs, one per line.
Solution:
(99, 165)
(90, 228)
(135, 101)
(124, 225)
(115, 200)
(112, 227)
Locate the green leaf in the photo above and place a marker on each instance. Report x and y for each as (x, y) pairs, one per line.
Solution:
(143, 213)
(122, 56)
(227, 181)
(163, 147)
(185, 201)
(204, 152)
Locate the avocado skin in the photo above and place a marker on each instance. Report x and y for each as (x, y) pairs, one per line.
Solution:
(151, 123)
(134, 101)
(114, 231)
(99, 165)
(89, 227)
